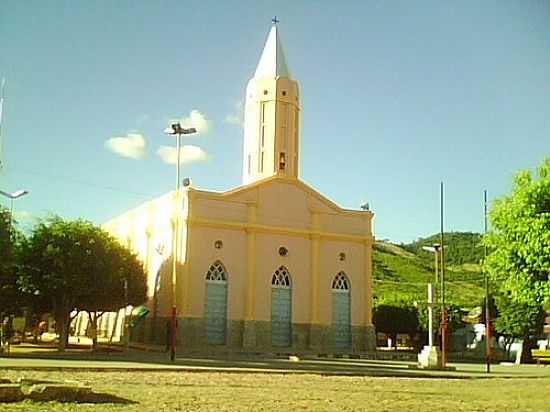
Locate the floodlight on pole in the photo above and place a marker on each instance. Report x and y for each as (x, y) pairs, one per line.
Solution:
(177, 130)
(13, 196)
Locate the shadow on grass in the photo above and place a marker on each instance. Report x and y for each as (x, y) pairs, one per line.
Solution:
(93, 398)
(97, 397)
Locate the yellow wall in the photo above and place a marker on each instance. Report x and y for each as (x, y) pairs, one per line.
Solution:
(286, 213)
(232, 255)
(148, 231)
(253, 222)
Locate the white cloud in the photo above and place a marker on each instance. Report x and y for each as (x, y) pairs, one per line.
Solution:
(197, 120)
(23, 215)
(237, 116)
(188, 154)
(133, 145)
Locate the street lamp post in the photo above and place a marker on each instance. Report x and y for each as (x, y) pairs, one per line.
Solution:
(12, 196)
(444, 318)
(126, 320)
(435, 249)
(177, 130)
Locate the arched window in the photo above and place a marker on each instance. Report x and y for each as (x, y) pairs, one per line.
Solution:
(281, 308)
(281, 278)
(216, 303)
(216, 272)
(340, 282)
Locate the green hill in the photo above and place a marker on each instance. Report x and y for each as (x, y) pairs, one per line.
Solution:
(402, 272)
(463, 247)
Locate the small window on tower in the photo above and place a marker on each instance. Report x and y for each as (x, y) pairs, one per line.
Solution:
(282, 161)
(262, 162)
(284, 93)
(265, 91)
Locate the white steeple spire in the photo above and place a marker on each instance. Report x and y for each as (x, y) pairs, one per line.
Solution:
(273, 62)
(271, 117)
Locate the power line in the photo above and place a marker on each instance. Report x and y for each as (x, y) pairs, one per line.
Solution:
(79, 182)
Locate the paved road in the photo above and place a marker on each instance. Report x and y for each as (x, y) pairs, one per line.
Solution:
(136, 361)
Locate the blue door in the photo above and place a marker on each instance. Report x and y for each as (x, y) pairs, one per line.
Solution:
(216, 312)
(341, 311)
(216, 304)
(281, 308)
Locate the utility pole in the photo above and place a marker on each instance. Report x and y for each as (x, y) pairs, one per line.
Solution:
(442, 267)
(487, 310)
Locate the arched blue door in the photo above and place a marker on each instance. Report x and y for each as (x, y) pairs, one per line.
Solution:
(216, 304)
(281, 308)
(341, 311)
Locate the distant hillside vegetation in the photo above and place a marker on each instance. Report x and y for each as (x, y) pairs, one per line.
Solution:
(464, 247)
(402, 272)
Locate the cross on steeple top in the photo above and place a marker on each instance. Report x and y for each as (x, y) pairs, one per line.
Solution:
(274, 20)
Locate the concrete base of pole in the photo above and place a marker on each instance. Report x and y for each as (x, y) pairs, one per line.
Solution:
(429, 358)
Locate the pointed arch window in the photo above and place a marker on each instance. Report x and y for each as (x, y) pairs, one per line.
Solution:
(281, 278)
(216, 272)
(340, 282)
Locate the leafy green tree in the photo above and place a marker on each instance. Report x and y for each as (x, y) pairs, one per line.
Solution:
(396, 318)
(10, 296)
(519, 262)
(518, 319)
(75, 265)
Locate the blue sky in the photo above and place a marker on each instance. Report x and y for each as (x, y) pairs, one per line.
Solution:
(396, 97)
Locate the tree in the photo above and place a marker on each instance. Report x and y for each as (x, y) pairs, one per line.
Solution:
(519, 262)
(396, 318)
(518, 319)
(75, 265)
(10, 296)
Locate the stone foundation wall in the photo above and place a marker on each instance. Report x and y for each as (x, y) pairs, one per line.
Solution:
(253, 336)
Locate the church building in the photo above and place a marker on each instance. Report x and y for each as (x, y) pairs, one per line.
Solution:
(270, 266)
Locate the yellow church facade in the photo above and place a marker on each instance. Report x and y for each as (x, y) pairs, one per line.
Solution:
(272, 265)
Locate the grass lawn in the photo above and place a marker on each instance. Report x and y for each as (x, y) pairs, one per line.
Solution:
(209, 391)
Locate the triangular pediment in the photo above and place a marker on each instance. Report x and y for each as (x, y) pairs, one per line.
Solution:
(314, 200)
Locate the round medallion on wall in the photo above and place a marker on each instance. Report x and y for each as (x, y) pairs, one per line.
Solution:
(218, 244)
(342, 256)
(283, 251)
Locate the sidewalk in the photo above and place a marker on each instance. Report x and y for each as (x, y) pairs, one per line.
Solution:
(32, 358)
